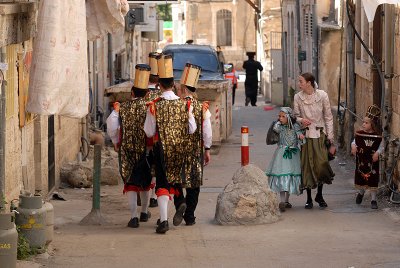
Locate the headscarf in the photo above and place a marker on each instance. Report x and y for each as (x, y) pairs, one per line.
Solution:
(288, 112)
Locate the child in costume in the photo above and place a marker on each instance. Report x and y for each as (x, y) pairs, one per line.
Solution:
(367, 146)
(284, 171)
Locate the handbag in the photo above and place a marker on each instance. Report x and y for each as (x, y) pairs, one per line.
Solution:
(272, 136)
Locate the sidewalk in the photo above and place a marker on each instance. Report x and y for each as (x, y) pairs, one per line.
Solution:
(343, 235)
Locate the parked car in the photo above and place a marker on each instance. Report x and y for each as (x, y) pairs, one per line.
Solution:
(212, 85)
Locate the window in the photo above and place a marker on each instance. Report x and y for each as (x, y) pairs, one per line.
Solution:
(224, 28)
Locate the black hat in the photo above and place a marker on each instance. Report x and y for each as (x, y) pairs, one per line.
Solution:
(250, 54)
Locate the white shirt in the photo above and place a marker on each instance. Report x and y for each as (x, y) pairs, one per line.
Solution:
(150, 123)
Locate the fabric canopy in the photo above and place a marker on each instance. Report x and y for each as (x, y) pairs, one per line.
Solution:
(59, 76)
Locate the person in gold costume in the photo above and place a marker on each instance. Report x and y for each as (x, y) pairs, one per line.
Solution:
(199, 144)
(134, 156)
(172, 119)
(154, 92)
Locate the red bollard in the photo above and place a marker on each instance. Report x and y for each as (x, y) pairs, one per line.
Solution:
(245, 145)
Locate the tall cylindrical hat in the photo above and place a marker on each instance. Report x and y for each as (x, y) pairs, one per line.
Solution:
(165, 67)
(190, 75)
(142, 75)
(153, 62)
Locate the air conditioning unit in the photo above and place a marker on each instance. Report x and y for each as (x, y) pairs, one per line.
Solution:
(134, 17)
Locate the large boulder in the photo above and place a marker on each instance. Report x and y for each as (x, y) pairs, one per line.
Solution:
(247, 200)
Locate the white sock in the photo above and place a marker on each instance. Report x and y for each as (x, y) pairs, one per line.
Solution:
(145, 198)
(283, 196)
(373, 195)
(132, 201)
(163, 205)
(287, 195)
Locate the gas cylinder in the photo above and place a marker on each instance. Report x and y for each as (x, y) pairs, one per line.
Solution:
(32, 219)
(49, 221)
(8, 240)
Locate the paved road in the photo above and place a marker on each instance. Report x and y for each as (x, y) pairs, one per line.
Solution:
(343, 235)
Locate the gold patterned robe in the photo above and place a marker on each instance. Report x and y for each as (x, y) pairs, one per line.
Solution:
(133, 142)
(172, 119)
(193, 162)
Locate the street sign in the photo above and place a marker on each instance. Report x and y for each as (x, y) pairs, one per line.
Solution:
(302, 55)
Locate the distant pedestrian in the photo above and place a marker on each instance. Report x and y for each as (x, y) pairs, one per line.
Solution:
(284, 171)
(251, 83)
(221, 58)
(232, 75)
(367, 146)
(313, 110)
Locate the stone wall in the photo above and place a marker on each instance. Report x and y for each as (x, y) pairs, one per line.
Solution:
(202, 29)
(67, 141)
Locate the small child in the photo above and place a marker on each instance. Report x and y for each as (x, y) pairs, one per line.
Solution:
(284, 171)
(366, 146)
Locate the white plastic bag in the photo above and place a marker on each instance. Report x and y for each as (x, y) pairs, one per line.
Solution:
(113, 127)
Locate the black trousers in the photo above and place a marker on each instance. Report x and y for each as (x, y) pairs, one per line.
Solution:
(233, 93)
(191, 199)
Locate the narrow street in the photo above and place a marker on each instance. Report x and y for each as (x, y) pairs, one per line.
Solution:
(343, 235)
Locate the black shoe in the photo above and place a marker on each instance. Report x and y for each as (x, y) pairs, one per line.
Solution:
(153, 203)
(309, 205)
(190, 223)
(158, 222)
(162, 228)
(288, 205)
(133, 223)
(359, 198)
(145, 216)
(374, 204)
(178, 217)
(321, 202)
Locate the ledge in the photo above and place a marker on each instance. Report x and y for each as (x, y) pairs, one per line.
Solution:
(329, 26)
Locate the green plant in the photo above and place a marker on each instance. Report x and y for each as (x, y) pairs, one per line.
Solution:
(164, 12)
(3, 202)
(24, 250)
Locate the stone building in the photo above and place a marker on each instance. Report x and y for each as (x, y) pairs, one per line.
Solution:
(319, 38)
(229, 24)
(35, 146)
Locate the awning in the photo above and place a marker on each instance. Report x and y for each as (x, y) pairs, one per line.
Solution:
(124, 87)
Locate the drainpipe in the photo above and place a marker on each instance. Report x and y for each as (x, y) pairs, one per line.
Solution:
(96, 123)
(351, 77)
(298, 34)
(2, 133)
(389, 75)
(110, 60)
(315, 43)
(284, 61)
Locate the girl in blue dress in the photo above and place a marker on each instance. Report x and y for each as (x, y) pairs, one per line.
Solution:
(284, 171)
